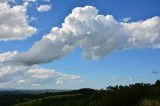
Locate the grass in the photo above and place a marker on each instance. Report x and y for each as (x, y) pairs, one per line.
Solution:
(46, 99)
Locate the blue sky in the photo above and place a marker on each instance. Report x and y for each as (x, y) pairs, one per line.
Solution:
(118, 67)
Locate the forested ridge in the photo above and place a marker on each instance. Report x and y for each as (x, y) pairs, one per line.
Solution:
(139, 94)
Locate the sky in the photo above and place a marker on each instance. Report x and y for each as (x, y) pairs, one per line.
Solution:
(72, 44)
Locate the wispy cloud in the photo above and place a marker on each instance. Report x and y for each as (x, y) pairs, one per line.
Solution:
(29, 0)
(46, 0)
(28, 76)
(32, 19)
(124, 81)
(8, 1)
(126, 19)
(17, 75)
(155, 72)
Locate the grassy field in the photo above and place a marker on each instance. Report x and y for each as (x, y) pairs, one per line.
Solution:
(50, 99)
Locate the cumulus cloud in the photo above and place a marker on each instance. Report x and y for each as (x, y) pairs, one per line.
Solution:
(14, 23)
(96, 34)
(44, 8)
(32, 76)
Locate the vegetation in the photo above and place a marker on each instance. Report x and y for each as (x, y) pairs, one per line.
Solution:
(138, 94)
(149, 102)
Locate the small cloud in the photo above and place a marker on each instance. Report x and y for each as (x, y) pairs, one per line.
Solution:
(130, 79)
(126, 19)
(44, 8)
(13, 1)
(21, 81)
(32, 19)
(29, 0)
(155, 72)
(59, 82)
(46, 0)
(26, 4)
(120, 80)
(36, 85)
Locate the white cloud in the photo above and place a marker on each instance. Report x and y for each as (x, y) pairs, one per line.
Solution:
(7, 56)
(29, 0)
(97, 35)
(8, 1)
(59, 82)
(126, 19)
(21, 81)
(32, 19)
(36, 85)
(17, 75)
(46, 0)
(13, 22)
(44, 8)
(32, 76)
(123, 81)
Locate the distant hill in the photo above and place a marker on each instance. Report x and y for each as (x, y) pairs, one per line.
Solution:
(138, 94)
(31, 91)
